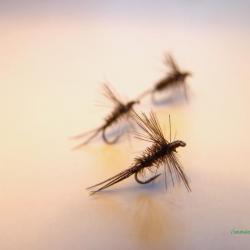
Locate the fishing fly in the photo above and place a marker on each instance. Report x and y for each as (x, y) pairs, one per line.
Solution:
(120, 111)
(174, 78)
(161, 152)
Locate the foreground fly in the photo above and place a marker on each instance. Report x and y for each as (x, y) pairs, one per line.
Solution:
(161, 152)
(175, 78)
(121, 111)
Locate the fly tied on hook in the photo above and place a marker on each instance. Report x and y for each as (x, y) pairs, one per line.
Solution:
(175, 78)
(161, 152)
(121, 110)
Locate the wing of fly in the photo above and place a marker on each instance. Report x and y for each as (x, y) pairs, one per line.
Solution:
(109, 94)
(171, 62)
(151, 128)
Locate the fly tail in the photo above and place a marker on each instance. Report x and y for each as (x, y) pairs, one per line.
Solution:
(92, 134)
(113, 180)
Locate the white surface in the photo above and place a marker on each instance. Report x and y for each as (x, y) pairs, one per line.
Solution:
(51, 69)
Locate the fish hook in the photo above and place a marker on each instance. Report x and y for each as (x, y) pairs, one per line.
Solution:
(109, 141)
(146, 181)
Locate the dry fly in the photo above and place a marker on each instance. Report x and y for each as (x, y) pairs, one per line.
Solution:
(175, 78)
(160, 152)
(120, 111)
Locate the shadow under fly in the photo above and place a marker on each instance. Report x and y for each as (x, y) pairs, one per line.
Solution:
(173, 80)
(120, 111)
(161, 152)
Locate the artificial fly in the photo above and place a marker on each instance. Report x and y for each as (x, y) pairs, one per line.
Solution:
(175, 78)
(160, 152)
(121, 110)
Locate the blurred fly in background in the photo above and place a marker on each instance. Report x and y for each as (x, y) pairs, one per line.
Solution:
(176, 78)
(121, 110)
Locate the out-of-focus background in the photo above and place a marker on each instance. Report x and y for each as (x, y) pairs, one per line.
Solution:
(54, 55)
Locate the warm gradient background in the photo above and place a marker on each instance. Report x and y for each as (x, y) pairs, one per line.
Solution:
(53, 57)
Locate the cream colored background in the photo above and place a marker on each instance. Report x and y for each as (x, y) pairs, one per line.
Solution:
(53, 58)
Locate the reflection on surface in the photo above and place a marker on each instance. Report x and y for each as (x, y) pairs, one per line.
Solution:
(172, 97)
(150, 219)
(110, 158)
